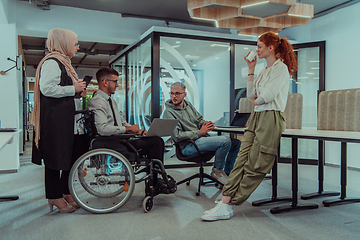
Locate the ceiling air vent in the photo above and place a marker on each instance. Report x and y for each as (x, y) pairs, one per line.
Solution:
(43, 4)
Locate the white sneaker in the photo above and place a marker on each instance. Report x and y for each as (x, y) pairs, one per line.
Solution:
(220, 175)
(216, 202)
(221, 211)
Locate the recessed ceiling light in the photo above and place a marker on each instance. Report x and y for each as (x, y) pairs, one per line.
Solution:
(296, 15)
(250, 5)
(216, 22)
(219, 45)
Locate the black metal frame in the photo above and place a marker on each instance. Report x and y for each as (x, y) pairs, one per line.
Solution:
(155, 69)
(322, 47)
(155, 65)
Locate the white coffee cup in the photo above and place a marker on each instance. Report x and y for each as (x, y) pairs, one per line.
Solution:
(251, 56)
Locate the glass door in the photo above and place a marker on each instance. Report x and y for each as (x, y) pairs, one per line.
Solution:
(309, 81)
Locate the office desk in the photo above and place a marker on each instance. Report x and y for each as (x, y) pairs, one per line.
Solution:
(323, 135)
(5, 138)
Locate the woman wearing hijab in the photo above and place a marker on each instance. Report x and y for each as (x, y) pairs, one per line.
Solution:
(58, 137)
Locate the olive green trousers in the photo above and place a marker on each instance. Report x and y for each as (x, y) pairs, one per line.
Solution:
(256, 156)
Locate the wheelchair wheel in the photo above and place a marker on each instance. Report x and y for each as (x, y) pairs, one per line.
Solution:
(101, 181)
(147, 204)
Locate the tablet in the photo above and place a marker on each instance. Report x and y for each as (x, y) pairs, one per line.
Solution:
(87, 80)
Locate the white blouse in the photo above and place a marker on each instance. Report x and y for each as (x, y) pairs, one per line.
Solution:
(272, 85)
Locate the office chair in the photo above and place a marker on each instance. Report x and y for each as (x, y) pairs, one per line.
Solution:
(199, 158)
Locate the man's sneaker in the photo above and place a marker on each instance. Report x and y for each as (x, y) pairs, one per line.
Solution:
(219, 175)
(221, 211)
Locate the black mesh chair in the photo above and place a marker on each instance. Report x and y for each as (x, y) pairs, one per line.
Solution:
(200, 158)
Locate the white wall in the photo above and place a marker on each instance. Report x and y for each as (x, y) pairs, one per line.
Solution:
(340, 30)
(3, 12)
(9, 96)
(7, 11)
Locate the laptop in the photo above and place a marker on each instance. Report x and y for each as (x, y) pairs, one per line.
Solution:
(239, 120)
(161, 127)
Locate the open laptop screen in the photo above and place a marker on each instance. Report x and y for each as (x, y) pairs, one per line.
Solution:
(240, 119)
(162, 127)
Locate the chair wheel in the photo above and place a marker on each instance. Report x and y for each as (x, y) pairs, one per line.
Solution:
(188, 183)
(147, 204)
(197, 194)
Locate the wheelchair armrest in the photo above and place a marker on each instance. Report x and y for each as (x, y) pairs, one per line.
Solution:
(123, 137)
(114, 137)
(81, 111)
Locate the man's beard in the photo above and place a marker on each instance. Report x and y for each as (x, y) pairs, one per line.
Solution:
(178, 103)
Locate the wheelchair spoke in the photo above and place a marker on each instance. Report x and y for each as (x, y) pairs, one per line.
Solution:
(101, 181)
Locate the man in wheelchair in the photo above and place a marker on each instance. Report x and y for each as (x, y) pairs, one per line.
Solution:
(109, 122)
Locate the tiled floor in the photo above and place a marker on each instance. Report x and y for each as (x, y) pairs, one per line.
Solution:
(177, 216)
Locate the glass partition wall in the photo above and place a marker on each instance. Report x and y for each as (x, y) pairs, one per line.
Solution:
(309, 81)
(203, 64)
(215, 74)
(120, 93)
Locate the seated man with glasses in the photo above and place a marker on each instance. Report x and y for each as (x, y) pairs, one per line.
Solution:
(192, 126)
(108, 120)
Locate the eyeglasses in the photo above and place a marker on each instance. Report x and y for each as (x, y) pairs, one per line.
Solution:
(115, 81)
(176, 93)
(77, 45)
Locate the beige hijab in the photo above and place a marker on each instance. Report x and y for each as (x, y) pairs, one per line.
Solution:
(60, 43)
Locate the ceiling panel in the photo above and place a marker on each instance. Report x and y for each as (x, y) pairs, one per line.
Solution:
(94, 55)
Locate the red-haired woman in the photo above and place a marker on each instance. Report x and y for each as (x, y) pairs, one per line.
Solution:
(262, 135)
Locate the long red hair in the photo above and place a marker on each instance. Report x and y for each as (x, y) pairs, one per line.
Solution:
(283, 50)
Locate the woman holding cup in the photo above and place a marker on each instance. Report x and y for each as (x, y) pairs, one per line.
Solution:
(268, 92)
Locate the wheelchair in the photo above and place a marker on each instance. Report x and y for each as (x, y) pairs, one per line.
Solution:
(102, 180)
